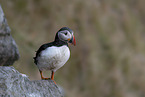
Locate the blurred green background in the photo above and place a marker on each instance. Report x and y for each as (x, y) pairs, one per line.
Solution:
(109, 58)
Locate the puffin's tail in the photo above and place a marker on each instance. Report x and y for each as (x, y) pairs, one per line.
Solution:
(35, 60)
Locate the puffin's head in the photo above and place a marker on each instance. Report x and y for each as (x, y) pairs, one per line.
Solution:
(66, 34)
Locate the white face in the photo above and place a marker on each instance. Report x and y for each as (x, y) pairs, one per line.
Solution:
(64, 35)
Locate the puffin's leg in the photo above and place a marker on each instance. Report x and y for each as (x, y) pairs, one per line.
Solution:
(42, 75)
(52, 76)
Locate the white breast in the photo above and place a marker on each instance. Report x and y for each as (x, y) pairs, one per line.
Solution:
(53, 58)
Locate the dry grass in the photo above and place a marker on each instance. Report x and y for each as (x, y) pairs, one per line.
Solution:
(109, 58)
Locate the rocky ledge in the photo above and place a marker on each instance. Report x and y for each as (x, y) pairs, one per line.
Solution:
(15, 84)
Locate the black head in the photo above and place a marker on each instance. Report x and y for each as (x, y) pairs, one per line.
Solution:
(65, 34)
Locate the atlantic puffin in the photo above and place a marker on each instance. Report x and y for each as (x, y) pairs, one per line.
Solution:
(52, 56)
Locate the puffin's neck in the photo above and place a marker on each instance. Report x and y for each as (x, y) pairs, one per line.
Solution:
(59, 42)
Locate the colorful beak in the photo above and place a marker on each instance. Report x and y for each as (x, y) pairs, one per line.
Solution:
(73, 41)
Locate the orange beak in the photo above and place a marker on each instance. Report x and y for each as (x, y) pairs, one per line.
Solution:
(73, 40)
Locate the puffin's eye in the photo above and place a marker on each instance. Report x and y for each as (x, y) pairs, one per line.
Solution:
(65, 33)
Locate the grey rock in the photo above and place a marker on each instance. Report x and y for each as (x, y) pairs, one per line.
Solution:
(15, 84)
(8, 49)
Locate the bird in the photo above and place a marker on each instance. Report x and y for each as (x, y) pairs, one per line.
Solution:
(52, 56)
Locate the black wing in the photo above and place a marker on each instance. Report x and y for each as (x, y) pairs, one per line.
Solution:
(43, 47)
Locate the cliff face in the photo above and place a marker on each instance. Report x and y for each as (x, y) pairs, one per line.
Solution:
(15, 84)
(8, 48)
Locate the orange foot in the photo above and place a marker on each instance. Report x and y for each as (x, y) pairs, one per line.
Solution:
(54, 81)
(45, 78)
(52, 77)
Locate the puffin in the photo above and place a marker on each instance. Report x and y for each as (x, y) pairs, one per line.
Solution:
(52, 56)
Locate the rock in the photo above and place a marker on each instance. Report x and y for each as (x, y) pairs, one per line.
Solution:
(8, 48)
(15, 84)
